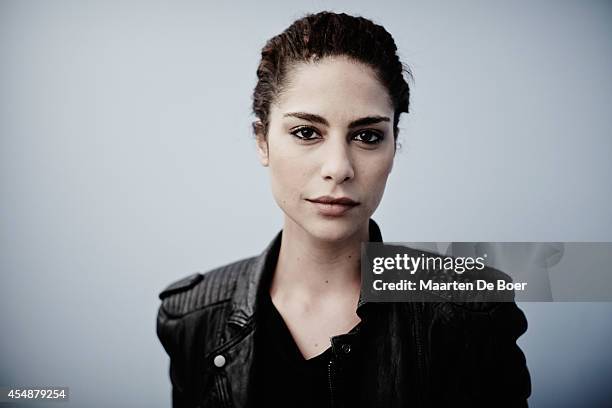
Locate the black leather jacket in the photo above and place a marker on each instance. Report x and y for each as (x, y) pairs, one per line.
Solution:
(422, 354)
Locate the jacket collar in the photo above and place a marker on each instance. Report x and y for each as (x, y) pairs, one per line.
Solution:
(260, 273)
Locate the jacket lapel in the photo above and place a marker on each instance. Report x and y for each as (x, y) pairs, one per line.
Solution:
(239, 330)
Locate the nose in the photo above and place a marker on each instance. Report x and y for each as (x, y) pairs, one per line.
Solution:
(337, 164)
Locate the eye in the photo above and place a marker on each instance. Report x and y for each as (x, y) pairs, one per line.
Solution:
(304, 133)
(369, 137)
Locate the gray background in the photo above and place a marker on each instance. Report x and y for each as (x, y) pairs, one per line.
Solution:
(126, 162)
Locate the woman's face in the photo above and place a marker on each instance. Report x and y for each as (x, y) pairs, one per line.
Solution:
(330, 134)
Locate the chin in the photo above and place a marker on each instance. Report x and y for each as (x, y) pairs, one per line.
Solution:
(332, 229)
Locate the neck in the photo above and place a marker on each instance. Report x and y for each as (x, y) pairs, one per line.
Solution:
(309, 268)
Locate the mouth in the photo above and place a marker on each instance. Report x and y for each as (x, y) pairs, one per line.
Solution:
(333, 206)
(334, 200)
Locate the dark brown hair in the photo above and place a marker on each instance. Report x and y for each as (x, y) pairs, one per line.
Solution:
(323, 34)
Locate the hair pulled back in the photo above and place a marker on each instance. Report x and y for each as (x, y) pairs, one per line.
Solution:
(324, 34)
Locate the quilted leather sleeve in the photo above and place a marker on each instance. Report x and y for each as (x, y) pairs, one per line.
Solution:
(476, 358)
(169, 332)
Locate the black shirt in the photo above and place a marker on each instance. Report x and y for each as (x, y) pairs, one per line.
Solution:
(282, 377)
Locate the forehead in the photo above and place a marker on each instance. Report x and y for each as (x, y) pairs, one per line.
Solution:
(334, 87)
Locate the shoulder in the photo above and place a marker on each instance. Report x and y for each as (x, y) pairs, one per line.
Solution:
(475, 307)
(203, 289)
(482, 308)
(474, 300)
(479, 319)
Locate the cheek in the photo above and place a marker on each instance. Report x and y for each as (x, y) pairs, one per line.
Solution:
(376, 178)
(288, 176)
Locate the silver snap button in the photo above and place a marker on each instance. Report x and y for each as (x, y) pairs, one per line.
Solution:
(346, 348)
(219, 361)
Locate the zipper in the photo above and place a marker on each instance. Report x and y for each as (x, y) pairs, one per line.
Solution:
(331, 385)
(420, 354)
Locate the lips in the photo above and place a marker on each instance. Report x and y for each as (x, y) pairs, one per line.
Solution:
(334, 200)
(333, 206)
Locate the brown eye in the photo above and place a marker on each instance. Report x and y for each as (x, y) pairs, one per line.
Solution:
(369, 137)
(304, 133)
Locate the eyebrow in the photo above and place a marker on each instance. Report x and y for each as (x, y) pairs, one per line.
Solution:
(311, 117)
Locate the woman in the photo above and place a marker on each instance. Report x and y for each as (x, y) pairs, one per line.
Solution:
(289, 327)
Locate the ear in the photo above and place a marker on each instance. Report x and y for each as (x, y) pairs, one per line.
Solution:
(261, 142)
